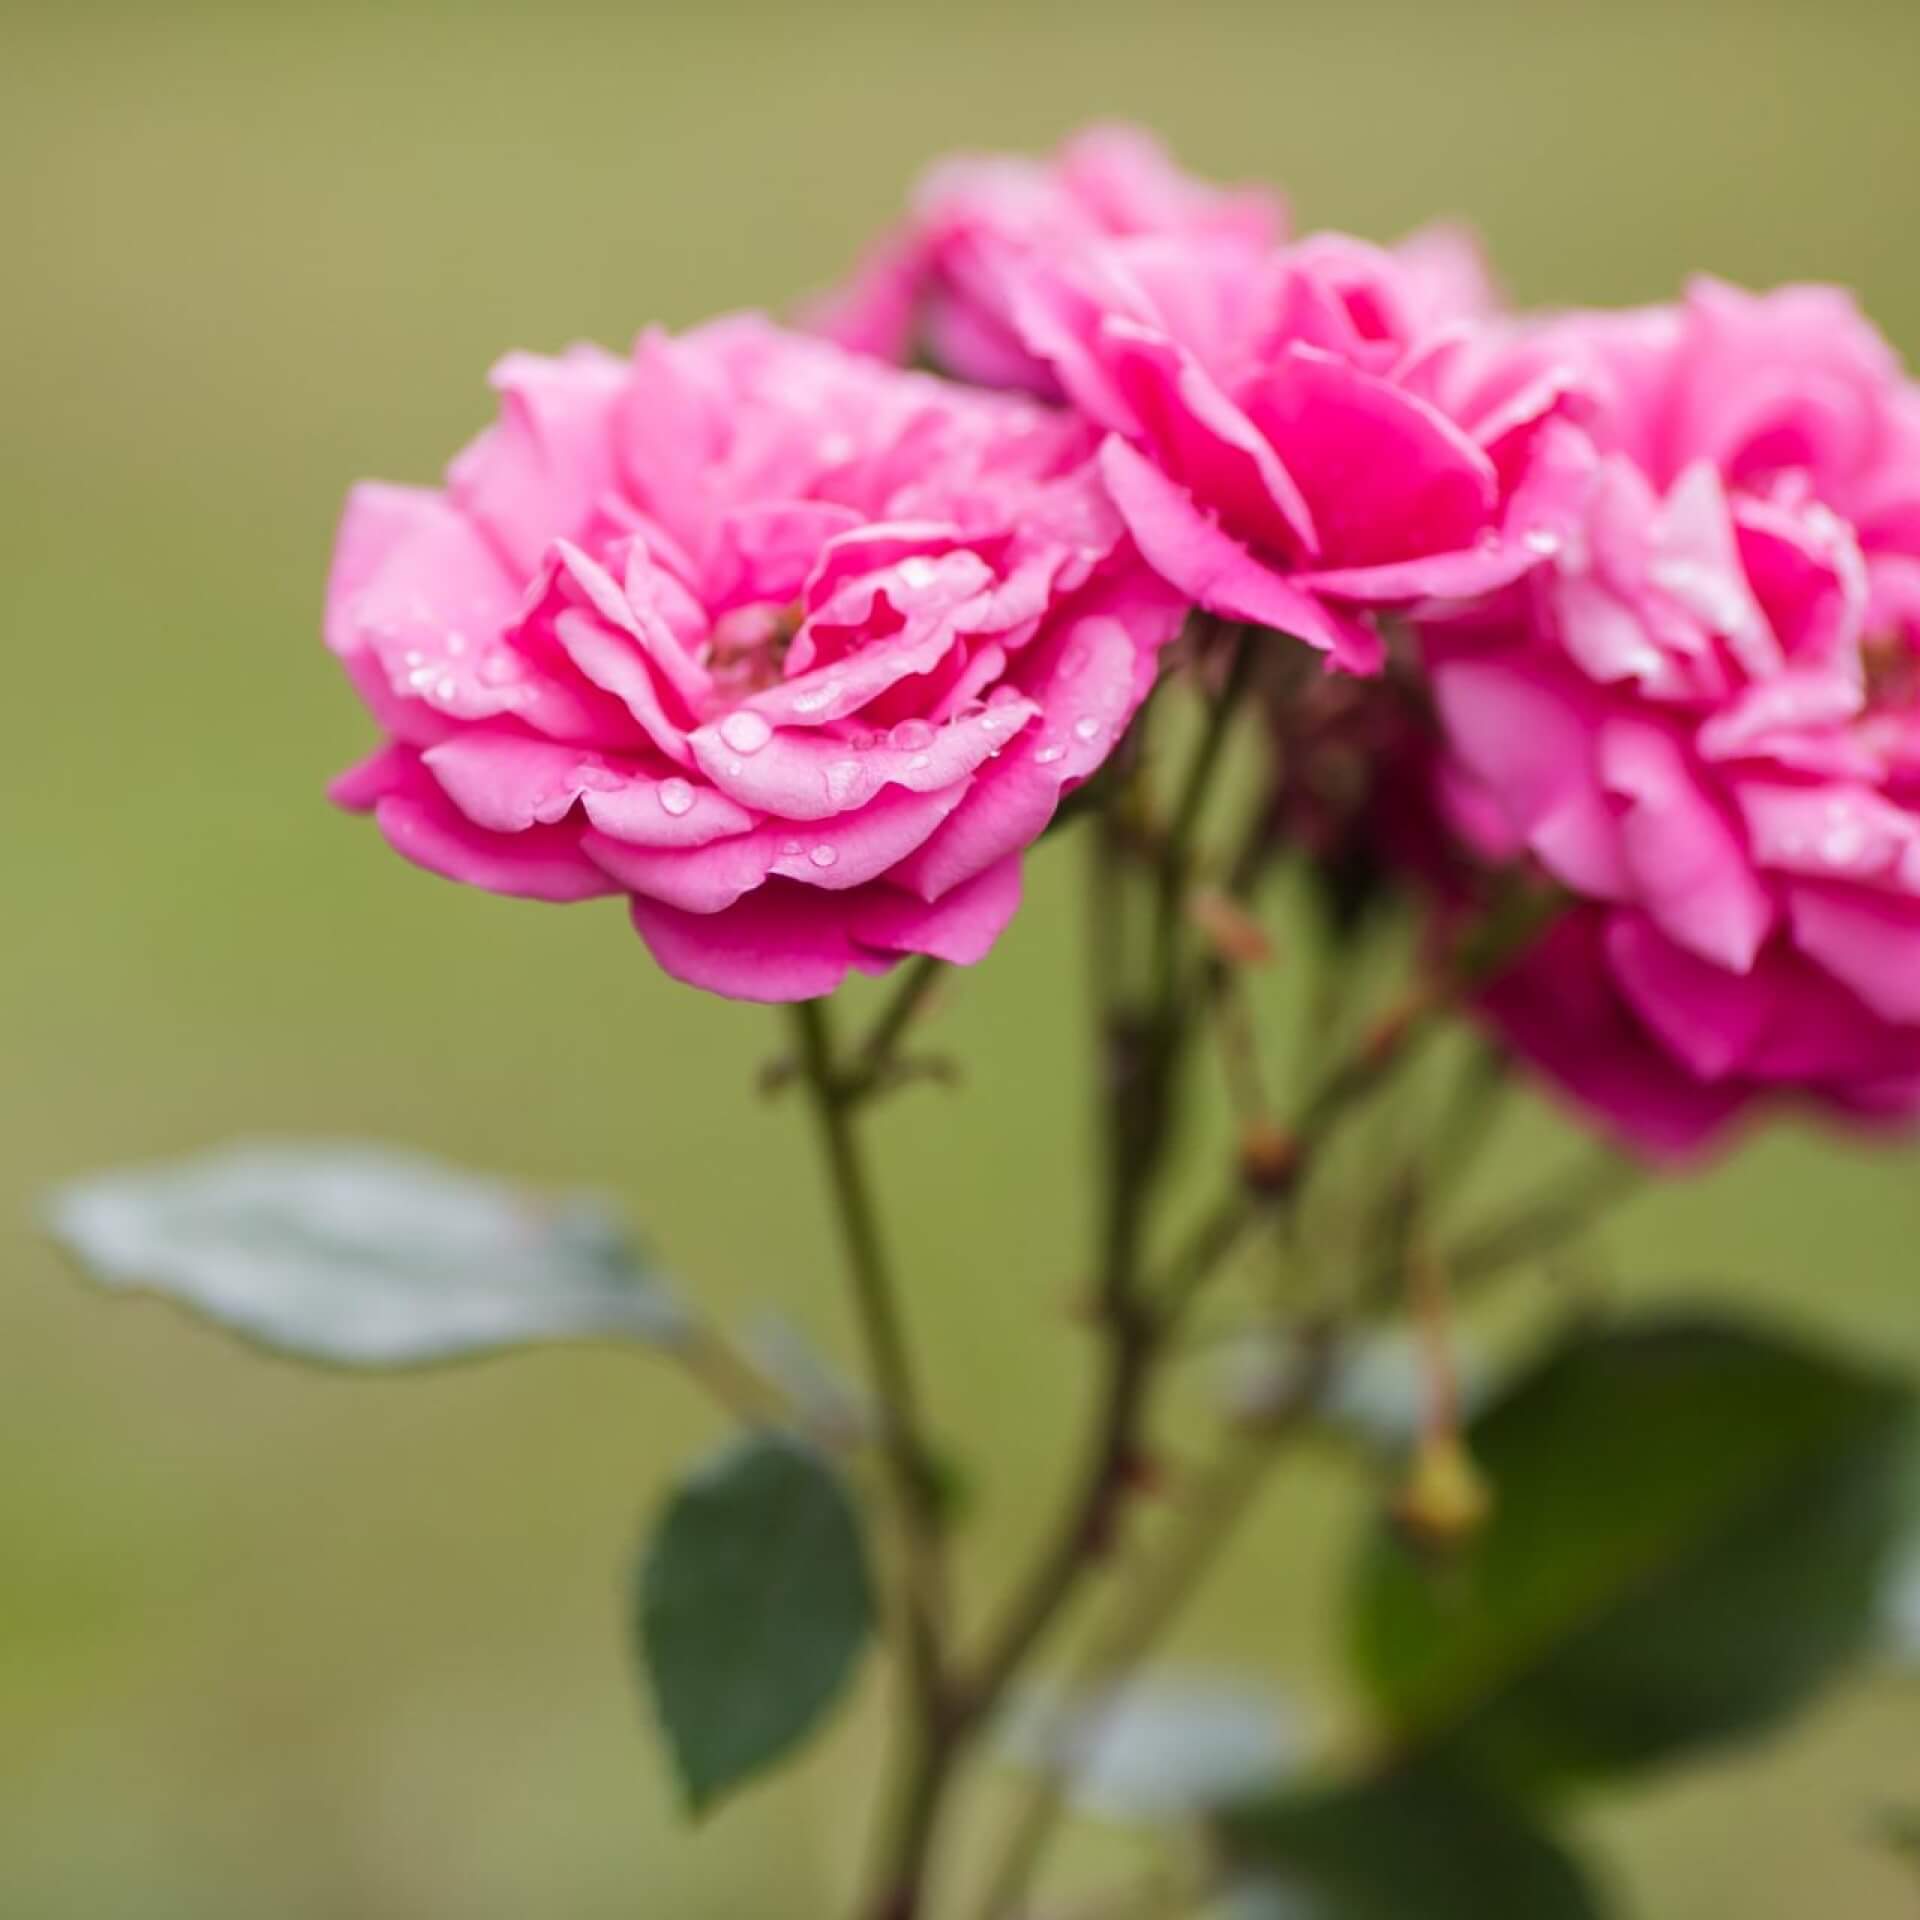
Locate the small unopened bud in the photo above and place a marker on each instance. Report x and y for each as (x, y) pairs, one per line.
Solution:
(1446, 1500)
(1269, 1156)
(1233, 933)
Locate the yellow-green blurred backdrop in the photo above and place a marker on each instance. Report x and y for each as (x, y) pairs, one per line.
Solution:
(278, 1644)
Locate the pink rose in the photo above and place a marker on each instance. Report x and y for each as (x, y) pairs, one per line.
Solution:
(1790, 396)
(1697, 722)
(797, 651)
(935, 285)
(1280, 441)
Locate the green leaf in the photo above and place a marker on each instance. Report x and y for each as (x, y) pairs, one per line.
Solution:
(363, 1256)
(754, 1605)
(1692, 1527)
(1415, 1846)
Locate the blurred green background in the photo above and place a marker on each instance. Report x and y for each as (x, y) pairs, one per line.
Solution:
(278, 1644)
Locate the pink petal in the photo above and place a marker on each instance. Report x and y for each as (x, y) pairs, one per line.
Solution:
(415, 602)
(961, 926)
(539, 470)
(1559, 1008)
(1868, 942)
(1386, 476)
(807, 774)
(1687, 858)
(1709, 1018)
(1191, 551)
(1203, 441)
(1833, 831)
(1091, 680)
(780, 943)
(1527, 738)
(832, 855)
(543, 863)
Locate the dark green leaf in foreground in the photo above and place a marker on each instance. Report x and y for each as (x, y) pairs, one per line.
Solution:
(1414, 1847)
(754, 1604)
(1692, 1530)
(362, 1256)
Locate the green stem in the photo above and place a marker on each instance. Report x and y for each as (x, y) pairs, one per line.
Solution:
(1210, 1516)
(873, 1059)
(907, 1843)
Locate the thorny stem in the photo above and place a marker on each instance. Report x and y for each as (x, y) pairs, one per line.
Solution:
(1550, 1219)
(874, 1058)
(908, 1458)
(1142, 1046)
(1209, 1516)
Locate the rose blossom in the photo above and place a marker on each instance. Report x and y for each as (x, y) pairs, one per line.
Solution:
(1704, 721)
(1282, 445)
(935, 283)
(796, 650)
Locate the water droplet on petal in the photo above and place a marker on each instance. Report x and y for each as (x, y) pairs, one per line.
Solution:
(1086, 728)
(816, 697)
(919, 762)
(675, 796)
(1542, 542)
(910, 736)
(1842, 845)
(823, 855)
(447, 688)
(791, 849)
(746, 731)
(846, 782)
(1046, 756)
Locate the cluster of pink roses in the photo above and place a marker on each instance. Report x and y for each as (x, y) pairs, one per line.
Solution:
(799, 649)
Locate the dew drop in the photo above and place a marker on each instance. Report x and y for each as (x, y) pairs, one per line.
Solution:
(919, 762)
(910, 736)
(1542, 542)
(846, 782)
(745, 731)
(447, 688)
(791, 849)
(1087, 727)
(1046, 756)
(816, 697)
(675, 796)
(823, 855)
(1842, 845)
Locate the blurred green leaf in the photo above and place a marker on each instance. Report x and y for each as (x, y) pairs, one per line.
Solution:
(362, 1255)
(754, 1605)
(1416, 1846)
(1692, 1527)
